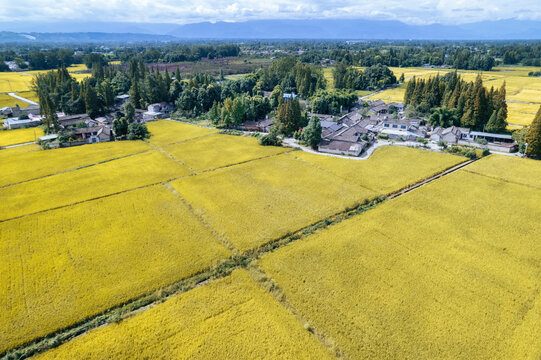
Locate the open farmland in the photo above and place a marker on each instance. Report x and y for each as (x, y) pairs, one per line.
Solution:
(7, 153)
(114, 176)
(521, 171)
(14, 82)
(6, 100)
(231, 318)
(253, 203)
(388, 169)
(22, 81)
(167, 132)
(451, 270)
(61, 266)
(211, 152)
(91, 235)
(27, 166)
(19, 136)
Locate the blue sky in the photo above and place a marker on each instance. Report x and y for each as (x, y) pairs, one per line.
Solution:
(182, 12)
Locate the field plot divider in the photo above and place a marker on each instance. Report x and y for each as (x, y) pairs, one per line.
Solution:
(216, 235)
(448, 171)
(96, 198)
(502, 179)
(157, 148)
(224, 268)
(75, 169)
(245, 162)
(268, 284)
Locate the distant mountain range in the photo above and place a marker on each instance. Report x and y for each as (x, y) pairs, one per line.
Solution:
(360, 29)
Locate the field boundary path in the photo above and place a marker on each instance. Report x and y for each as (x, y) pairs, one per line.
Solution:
(31, 102)
(238, 260)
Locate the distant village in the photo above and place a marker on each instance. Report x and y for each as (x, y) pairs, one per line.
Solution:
(348, 134)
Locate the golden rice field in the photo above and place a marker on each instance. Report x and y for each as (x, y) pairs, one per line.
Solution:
(22, 81)
(25, 166)
(61, 266)
(388, 169)
(215, 151)
(19, 136)
(253, 203)
(231, 318)
(520, 87)
(507, 168)
(7, 153)
(166, 132)
(448, 271)
(6, 100)
(521, 114)
(91, 182)
(390, 95)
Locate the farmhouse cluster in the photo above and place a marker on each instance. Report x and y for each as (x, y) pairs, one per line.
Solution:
(80, 128)
(354, 132)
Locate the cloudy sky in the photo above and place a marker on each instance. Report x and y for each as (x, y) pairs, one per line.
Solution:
(182, 12)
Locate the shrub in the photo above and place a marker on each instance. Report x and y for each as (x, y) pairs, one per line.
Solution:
(481, 141)
(442, 144)
(470, 154)
(270, 140)
(137, 131)
(383, 136)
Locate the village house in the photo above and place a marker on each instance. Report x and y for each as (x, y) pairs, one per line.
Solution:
(157, 111)
(16, 123)
(407, 130)
(464, 136)
(93, 134)
(450, 135)
(344, 137)
(259, 125)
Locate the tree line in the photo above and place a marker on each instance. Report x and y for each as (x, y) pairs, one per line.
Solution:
(375, 77)
(454, 101)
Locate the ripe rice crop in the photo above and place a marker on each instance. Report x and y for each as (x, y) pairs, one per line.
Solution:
(390, 95)
(388, 169)
(22, 81)
(216, 151)
(507, 168)
(8, 153)
(26, 166)
(14, 81)
(6, 100)
(521, 114)
(230, 318)
(62, 266)
(448, 271)
(253, 203)
(19, 136)
(88, 183)
(527, 95)
(166, 132)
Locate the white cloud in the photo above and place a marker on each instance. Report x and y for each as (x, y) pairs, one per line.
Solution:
(181, 12)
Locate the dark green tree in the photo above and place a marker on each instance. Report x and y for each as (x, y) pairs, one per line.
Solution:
(533, 137)
(137, 131)
(311, 134)
(93, 107)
